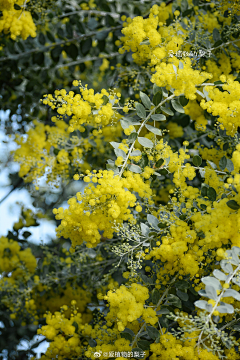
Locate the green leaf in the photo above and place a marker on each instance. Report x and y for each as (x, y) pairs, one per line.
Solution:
(157, 98)
(226, 308)
(201, 304)
(134, 168)
(154, 130)
(184, 5)
(92, 342)
(56, 52)
(129, 331)
(236, 327)
(92, 23)
(136, 153)
(69, 30)
(214, 166)
(232, 293)
(236, 250)
(182, 284)
(115, 144)
(86, 46)
(144, 344)
(125, 123)
(177, 106)
(166, 110)
(183, 100)
(236, 280)
(126, 336)
(182, 295)
(156, 89)
(163, 311)
(210, 280)
(159, 163)
(41, 38)
(17, 7)
(132, 137)
(232, 204)
(72, 51)
(146, 279)
(26, 234)
(60, 33)
(180, 65)
(145, 42)
(218, 82)
(204, 191)
(174, 68)
(140, 353)
(216, 35)
(230, 165)
(226, 266)
(144, 161)
(158, 117)
(50, 36)
(197, 160)
(102, 35)
(113, 168)
(223, 163)
(38, 58)
(155, 296)
(145, 100)
(173, 300)
(141, 112)
(152, 332)
(211, 194)
(233, 257)
(145, 142)
(145, 229)
(91, 253)
(120, 152)
(219, 275)
(211, 292)
(152, 220)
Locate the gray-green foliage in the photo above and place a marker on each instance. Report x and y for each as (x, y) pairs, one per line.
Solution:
(230, 267)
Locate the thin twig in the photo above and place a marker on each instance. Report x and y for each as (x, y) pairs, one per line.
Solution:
(45, 48)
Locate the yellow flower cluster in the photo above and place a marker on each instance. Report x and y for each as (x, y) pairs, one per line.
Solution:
(68, 293)
(99, 206)
(176, 251)
(35, 153)
(225, 104)
(196, 113)
(26, 220)
(62, 333)
(175, 165)
(15, 261)
(170, 348)
(46, 150)
(16, 22)
(183, 80)
(218, 225)
(211, 154)
(175, 130)
(85, 108)
(127, 305)
(137, 30)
